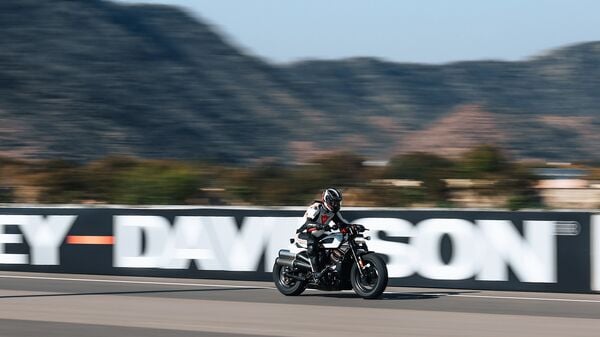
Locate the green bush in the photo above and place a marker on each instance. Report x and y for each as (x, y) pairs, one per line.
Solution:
(419, 166)
(126, 180)
(395, 196)
(5, 195)
(524, 200)
(337, 169)
(483, 161)
(428, 168)
(154, 183)
(61, 182)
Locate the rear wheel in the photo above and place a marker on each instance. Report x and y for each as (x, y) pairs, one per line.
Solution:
(285, 284)
(374, 278)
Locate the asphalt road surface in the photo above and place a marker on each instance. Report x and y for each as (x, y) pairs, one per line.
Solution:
(83, 305)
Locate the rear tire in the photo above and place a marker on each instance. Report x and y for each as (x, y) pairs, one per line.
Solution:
(375, 279)
(286, 285)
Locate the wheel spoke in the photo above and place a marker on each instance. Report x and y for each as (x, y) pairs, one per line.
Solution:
(285, 280)
(369, 281)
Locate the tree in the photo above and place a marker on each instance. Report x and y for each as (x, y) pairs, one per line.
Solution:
(61, 181)
(509, 179)
(155, 182)
(418, 166)
(340, 168)
(430, 169)
(482, 161)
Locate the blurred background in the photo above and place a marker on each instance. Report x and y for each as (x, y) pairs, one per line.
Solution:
(428, 104)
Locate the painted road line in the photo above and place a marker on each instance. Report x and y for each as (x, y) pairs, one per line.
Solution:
(499, 297)
(132, 282)
(273, 288)
(523, 298)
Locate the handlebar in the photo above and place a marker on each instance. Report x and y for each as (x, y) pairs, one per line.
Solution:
(359, 228)
(354, 229)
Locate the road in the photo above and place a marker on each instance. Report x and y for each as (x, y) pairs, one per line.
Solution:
(84, 305)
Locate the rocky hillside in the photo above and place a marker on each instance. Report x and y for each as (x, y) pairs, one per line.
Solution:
(83, 79)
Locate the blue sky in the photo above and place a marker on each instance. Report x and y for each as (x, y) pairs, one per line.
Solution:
(423, 31)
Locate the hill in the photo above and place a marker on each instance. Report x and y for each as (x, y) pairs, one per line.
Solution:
(84, 79)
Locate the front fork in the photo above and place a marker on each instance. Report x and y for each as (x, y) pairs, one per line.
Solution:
(358, 259)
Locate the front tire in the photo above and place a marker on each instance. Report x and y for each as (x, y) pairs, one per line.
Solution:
(374, 280)
(286, 285)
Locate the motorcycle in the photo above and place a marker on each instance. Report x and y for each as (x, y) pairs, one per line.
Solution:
(348, 265)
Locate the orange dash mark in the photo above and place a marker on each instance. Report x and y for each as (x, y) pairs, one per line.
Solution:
(90, 240)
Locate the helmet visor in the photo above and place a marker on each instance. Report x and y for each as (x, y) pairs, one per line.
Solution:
(334, 205)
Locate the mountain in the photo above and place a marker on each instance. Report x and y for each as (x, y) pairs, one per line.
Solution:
(457, 132)
(84, 79)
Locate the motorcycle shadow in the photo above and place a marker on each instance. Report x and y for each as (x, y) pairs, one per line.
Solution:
(422, 295)
(426, 295)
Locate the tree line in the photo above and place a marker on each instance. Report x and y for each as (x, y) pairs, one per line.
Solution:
(129, 180)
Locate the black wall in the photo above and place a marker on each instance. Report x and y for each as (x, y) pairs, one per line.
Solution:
(572, 263)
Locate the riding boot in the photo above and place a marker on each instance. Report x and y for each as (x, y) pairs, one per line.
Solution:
(314, 261)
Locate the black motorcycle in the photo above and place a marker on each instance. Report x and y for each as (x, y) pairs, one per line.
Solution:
(348, 264)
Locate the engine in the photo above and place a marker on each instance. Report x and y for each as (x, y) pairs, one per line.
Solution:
(337, 255)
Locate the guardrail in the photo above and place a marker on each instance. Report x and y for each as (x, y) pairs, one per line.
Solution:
(531, 251)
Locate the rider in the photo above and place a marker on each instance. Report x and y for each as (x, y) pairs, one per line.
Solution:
(316, 221)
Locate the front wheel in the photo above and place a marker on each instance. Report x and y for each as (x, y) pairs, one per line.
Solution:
(285, 284)
(374, 278)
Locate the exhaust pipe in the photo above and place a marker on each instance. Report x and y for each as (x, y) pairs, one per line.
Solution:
(292, 263)
(286, 254)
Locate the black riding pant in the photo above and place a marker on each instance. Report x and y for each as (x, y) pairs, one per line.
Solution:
(312, 248)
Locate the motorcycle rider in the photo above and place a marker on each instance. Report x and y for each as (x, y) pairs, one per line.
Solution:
(316, 222)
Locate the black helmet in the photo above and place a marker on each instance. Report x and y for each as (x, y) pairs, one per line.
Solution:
(332, 199)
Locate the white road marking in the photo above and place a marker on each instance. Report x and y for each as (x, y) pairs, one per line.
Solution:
(273, 288)
(133, 282)
(526, 298)
(499, 297)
